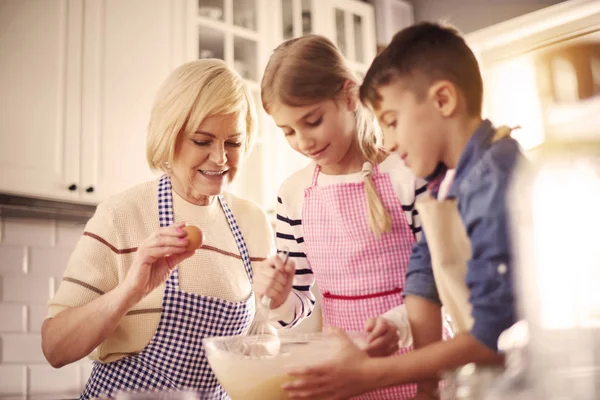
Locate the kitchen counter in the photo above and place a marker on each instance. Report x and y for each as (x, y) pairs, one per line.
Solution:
(55, 396)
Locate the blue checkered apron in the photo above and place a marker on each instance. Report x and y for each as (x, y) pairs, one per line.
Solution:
(175, 359)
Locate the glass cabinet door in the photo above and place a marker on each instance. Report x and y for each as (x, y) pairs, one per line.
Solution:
(211, 43)
(354, 32)
(245, 14)
(245, 58)
(229, 30)
(212, 9)
(233, 31)
(349, 23)
(296, 18)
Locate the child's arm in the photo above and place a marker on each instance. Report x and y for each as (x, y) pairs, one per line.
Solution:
(423, 305)
(430, 361)
(353, 372)
(421, 297)
(301, 301)
(423, 321)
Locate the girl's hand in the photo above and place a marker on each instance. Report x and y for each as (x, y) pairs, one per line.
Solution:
(345, 376)
(383, 339)
(274, 279)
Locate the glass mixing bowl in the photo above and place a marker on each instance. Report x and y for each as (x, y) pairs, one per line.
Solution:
(246, 373)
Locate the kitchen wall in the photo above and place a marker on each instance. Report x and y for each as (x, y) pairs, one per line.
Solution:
(471, 15)
(33, 255)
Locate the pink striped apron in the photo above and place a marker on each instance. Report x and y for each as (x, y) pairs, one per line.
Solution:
(359, 275)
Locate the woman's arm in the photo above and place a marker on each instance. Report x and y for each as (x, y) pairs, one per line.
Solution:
(75, 332)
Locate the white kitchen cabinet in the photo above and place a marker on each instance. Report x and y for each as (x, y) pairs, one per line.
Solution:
(129, 48)
(350, 24)
(79, 78)
(40, 108)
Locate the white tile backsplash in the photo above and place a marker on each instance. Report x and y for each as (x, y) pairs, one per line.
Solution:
(28, 232)
(13, 379)
(68, 234)
(12, 317)
(45, 379)
(22, 349)
(36, 314)
(33, 255)
(85, 372)
(48, 261)
(12, 260)
(25, 289)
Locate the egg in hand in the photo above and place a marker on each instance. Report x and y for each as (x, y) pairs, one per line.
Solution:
(195, 237)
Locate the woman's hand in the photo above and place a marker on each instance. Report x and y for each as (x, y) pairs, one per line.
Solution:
(274, 279)
(383, 337)
(155, 258)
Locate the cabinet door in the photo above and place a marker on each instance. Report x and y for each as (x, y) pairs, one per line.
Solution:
(40, 77)
(239, 32)
(296, 17)
(130, 47)
(352, 28)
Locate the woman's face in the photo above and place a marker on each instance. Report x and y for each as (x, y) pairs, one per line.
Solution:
(205, 163)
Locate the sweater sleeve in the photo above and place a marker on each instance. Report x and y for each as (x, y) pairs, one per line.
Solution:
(301, 301)
(92, 269)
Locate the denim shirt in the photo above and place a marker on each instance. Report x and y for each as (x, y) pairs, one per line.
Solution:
(480, 186)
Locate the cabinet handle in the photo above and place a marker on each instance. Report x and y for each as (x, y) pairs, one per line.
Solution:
(72, 187)
(90, 189)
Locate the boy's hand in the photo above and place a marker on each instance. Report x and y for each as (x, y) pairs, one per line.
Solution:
(383, 337)
(345, 376)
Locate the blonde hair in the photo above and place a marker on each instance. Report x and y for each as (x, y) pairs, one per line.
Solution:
(310, 69)
(193, 92)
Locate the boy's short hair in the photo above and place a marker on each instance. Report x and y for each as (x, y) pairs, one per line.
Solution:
(426, 51)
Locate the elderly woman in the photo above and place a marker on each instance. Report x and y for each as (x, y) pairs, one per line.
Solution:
(132, 296)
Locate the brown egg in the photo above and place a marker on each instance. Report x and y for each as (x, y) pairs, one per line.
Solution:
(194, 236)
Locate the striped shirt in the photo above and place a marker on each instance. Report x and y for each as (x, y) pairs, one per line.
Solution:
(289, 232)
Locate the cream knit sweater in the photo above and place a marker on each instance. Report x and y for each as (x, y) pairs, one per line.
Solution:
(107, 249)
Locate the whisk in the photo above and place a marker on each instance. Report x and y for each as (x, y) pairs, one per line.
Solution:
(266, 335)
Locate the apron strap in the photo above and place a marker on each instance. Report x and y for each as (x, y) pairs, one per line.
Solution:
(165, 202)
(315, 175)
(237, 234)
(317, 171)
(502, 132)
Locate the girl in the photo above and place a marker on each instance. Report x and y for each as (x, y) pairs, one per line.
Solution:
(348, 217)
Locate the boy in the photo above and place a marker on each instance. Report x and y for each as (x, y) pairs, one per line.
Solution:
(426, 90)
